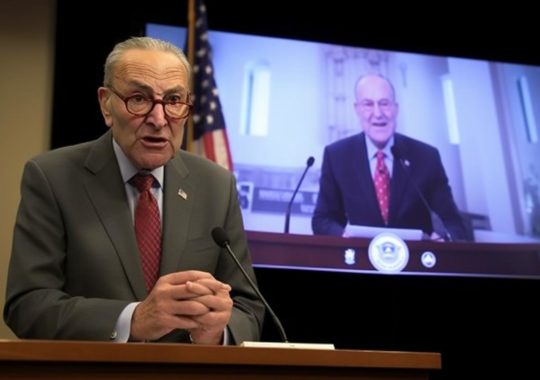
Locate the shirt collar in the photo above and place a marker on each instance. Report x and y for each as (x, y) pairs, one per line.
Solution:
(372, 149)
(128, 170)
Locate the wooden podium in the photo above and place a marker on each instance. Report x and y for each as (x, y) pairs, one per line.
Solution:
(34, 359)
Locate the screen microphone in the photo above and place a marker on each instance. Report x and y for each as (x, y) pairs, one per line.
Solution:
(398, 155)
(220, 238)
(309, 163)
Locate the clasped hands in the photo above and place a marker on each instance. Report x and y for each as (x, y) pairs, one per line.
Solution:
(190, 300)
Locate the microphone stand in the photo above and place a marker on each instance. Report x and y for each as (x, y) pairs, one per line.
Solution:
(309, 163)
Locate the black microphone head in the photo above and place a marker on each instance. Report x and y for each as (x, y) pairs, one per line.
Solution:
(310, 161)
(220, 237)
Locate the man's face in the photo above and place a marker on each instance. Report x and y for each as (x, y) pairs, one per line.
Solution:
(377, 109)
(151, 140)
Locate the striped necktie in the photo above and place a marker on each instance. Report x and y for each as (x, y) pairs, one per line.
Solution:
(147, 228)
(381, 180)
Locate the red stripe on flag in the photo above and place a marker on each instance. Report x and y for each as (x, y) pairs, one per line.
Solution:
(209, 133)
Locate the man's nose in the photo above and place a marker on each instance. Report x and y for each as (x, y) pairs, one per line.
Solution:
(157, 115)
(377, 111)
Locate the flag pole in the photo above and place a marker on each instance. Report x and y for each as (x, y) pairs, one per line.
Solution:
(191, 60)
(206, 134)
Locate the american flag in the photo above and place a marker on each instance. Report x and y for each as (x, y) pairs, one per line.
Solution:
(209, 137)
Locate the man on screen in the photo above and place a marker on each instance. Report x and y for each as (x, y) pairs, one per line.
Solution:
(382, 178)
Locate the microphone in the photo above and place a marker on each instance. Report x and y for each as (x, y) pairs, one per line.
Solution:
(398, 155)
(309, 163)
(220, 238)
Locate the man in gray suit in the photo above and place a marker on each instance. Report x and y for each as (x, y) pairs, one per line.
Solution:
(75, 269)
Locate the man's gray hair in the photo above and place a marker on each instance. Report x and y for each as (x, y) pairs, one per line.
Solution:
(142, 43)
(363, 77)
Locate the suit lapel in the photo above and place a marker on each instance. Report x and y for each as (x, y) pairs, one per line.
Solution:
(365, 181)
(398, 183)
(107, 192)
(178, 200)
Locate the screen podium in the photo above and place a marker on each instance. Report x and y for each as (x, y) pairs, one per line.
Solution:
(33, 359)
(332, 253)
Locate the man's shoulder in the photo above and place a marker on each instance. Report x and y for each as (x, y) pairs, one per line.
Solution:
(67, 153)
(197, 163)
(346, 141)
(412, 144)
(91, 154)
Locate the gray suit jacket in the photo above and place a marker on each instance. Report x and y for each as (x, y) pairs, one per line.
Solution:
(75, 262)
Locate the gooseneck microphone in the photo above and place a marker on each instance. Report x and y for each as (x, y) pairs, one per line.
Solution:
(309, 163)
(220, 238)
(398, 155)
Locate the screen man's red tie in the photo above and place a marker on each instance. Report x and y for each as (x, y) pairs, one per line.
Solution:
(382, 185)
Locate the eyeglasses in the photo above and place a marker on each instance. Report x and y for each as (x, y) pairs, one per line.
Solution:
(140, 105)
(384, 104)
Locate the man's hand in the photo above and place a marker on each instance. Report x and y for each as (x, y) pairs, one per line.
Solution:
(219, 304)
(191, 300)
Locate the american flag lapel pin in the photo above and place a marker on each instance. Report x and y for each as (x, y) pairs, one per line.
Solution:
(182, 193)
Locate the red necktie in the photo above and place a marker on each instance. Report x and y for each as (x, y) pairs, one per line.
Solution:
(147, 228)
(382, 185)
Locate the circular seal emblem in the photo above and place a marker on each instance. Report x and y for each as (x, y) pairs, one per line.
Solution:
(388, 253)
(428, 259)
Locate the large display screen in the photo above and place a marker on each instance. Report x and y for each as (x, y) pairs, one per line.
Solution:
(285, 100)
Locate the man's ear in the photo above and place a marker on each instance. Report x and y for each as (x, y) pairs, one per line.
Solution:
(103, 98)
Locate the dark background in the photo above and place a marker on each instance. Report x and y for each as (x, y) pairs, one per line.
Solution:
(480, 325)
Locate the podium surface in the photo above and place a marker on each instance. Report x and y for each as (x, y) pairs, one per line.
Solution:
(43, 359)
